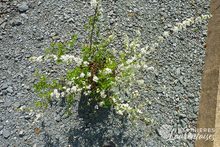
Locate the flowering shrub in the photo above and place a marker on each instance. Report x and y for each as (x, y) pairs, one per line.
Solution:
(103, 74)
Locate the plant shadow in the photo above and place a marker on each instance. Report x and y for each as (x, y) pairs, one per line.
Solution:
(95, 127)
(88, 111)
(96, 135)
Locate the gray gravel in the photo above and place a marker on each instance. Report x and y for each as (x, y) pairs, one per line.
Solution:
(27, 27)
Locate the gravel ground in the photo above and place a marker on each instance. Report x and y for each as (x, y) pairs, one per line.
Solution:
(27, 27)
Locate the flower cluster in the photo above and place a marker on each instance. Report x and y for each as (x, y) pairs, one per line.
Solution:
(65, 58)
(183, 25)
(175, 29)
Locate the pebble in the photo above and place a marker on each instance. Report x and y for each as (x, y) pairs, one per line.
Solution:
(6, 134)
(164, 130)
(16, 22)
(17, 104)
(23, 7)
(58, 118)
(1, 101)
(24, 15)
(4, 86)
(10, 89)
(27, 117)
(1, 127)
(21, 133)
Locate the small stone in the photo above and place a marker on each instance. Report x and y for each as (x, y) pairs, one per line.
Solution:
(16, 22)
(21, 133)
(17, 104)
(23, 7)
(1, 37)
(1, 101)
(10, 89)
(4, 77)
(181, 115)
(1, 127)
(151, 143)
(109, 144)
(27, 117)
(24, 15)
(196, 109)
(164, 131)
(6, 134)
(178, 71)
(70, 20)
(58, 118)
(183, 123)
(4, 86)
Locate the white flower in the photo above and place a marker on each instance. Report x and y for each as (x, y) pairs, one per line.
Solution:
(160, 38)
(55, 94)
(129, 61)
(68, 90)
(69, 83)
(151, 68)
(143, 51)
(89, 74)
(108, 71)
(79, 89)
(82, 75)
(97, 90)
(103, 95)
(175, 29)
(88, 87)
(86, 63)
(141, 82)
(95, 79)
(120, 112)
(121, 66)
(125, 105)
(135, 93)
(73, 89)
(78, 61)
(101, 104)
(139, 111)
(137, 66)
(88, 92)
(205, 16)
(113, 99)
(85, 93)
(186, 22)
(93, 3)
(166, 34)
(33, 59)
(38, 59)
(52, 94)
(146, 47)
(199, 19)
(62, 94)
(155, 45)
(96, 107)
(192, 20)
